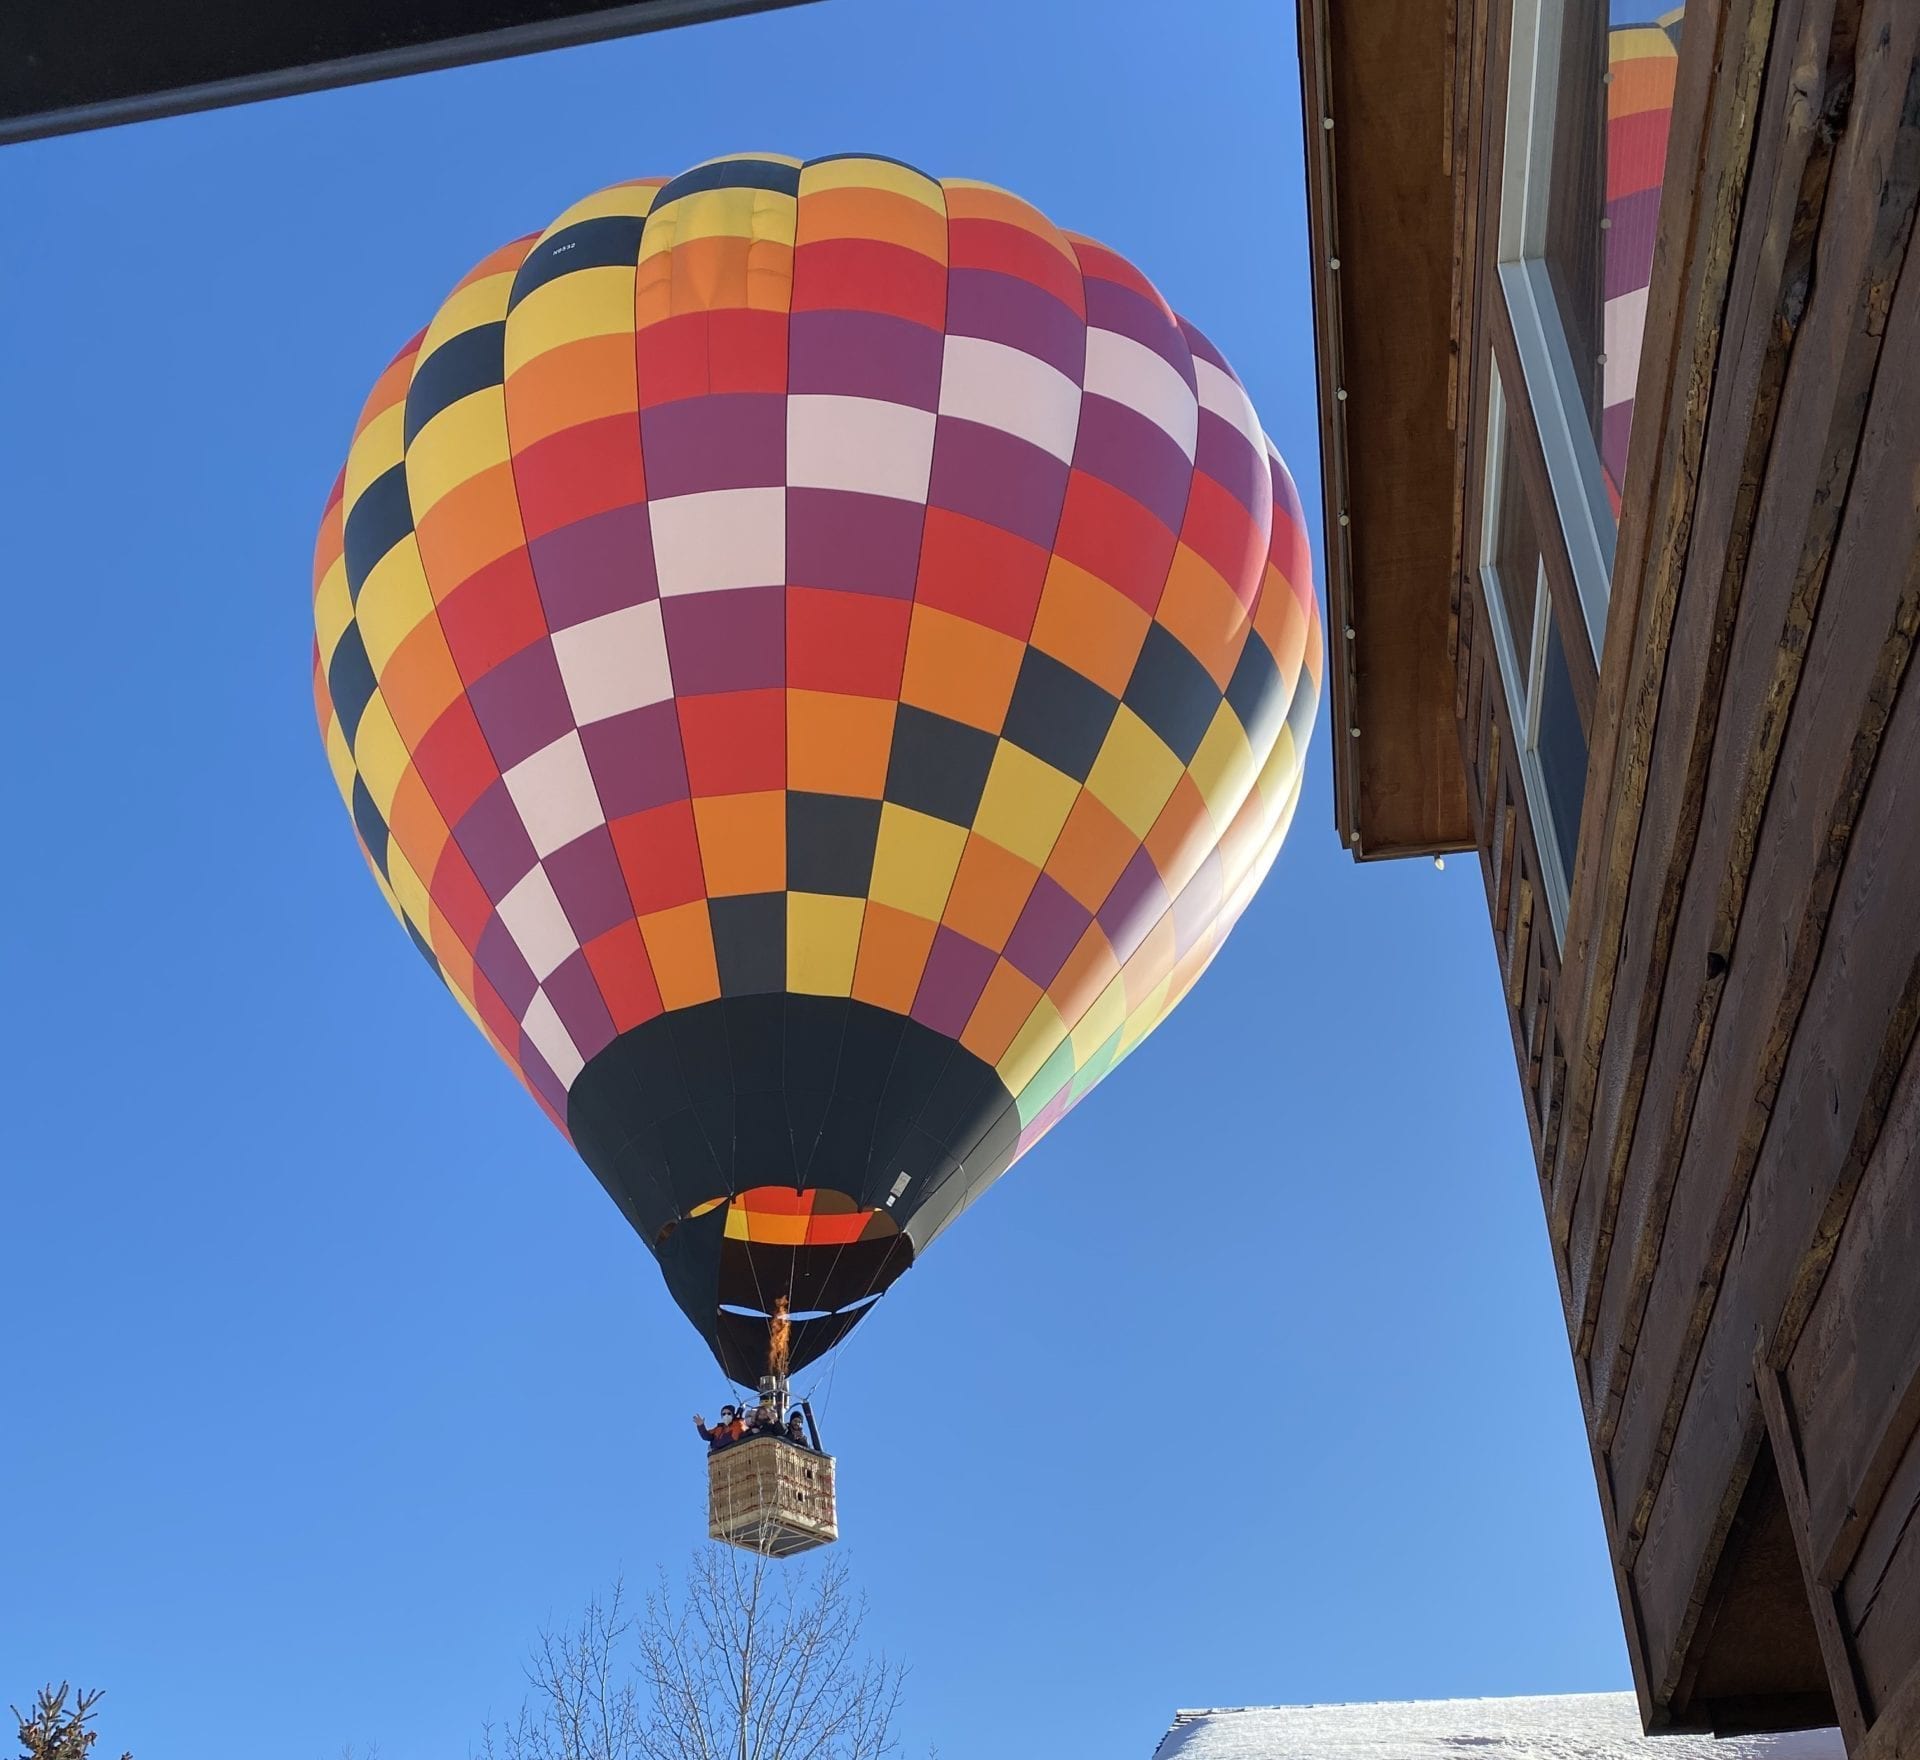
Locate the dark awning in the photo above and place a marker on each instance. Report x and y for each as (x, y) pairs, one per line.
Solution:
(76, 64)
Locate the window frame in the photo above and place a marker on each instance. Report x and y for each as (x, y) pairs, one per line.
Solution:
(1575, 472)
(1524, 690)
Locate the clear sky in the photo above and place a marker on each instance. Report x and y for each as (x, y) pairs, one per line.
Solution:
(333, 1375)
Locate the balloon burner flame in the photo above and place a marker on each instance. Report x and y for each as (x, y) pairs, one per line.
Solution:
(773, 1385)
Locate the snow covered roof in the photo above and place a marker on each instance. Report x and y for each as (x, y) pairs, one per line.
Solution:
(1574, 1726)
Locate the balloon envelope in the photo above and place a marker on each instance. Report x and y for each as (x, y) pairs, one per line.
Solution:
(817, 658)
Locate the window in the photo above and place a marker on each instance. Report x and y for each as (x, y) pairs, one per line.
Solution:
(1552, 746)
(1589, 98)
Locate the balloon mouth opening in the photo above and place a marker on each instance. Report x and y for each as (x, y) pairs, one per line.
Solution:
(772, 1274)
(776, 1313)
(782, 1308)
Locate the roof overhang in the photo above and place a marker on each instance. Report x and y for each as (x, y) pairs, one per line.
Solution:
(78, 64)
(1380, 208)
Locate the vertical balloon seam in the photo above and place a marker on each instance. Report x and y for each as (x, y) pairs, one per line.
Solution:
(1154, 1016)
(959, 1152)
(974, 1175)
(1070, 242)
(675, 210)
(937, 187)
(517, 1060)
(802, 1176)
(1193, 473)
(920, 552)
(421, 360)
(408, 354)
(639, 192)
(1077, 241)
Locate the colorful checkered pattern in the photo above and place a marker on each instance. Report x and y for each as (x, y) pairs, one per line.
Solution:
(820, 578)
(1642, 62)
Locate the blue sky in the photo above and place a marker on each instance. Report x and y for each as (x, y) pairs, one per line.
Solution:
(334, 1375)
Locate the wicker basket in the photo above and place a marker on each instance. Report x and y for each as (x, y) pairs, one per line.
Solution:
(771, 1496)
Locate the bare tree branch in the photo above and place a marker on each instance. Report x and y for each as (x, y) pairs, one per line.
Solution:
(742, 1660)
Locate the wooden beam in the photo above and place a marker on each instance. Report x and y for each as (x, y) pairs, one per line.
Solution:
(1883, 1457)
(1895, 1734)
(1853, 1369)
(1379, 212)
(1842, 1677)
(1652, 1711)
(1676, 1596)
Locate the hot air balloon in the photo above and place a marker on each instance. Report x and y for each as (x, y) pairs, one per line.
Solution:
(1642, 60)
(817, 659)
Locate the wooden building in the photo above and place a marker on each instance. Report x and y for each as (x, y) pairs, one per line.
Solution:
(1622, 477)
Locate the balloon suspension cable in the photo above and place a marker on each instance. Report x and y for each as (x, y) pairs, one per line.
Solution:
(825, 1389)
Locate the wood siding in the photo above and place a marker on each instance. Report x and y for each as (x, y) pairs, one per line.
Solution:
(1719, 1070)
